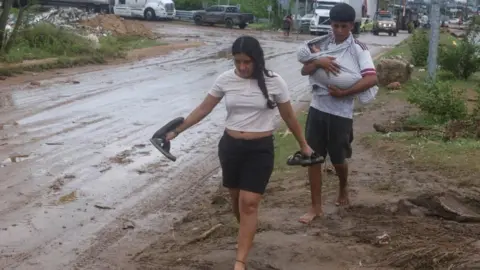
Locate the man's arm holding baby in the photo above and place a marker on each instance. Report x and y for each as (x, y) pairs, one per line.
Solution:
(367, 70)
(327, 63)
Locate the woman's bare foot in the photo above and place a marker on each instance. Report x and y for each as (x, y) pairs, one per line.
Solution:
(310, 216)
(239, 265)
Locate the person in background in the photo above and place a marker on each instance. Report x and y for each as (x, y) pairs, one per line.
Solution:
(287, 25)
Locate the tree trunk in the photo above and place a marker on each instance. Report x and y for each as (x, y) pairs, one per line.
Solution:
(7, 5)
(11, 40)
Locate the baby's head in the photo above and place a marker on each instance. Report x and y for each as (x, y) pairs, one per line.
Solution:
(314, 48)
(304, 53)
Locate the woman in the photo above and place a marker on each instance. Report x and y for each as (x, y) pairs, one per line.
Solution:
(246, 150)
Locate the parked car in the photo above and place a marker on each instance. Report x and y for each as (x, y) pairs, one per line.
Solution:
(367, 25)
(223, 14)
(383, 22)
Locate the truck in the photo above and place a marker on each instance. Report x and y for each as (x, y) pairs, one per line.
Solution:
(321, 21)
(384, 22)
(223, 14)
(147, 9)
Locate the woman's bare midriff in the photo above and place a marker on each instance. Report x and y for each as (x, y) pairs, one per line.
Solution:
(248, 135)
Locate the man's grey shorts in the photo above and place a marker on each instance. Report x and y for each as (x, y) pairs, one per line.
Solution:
(329, 134)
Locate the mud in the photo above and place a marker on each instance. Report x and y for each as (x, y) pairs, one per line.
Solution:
(400, 219)
(97, 130)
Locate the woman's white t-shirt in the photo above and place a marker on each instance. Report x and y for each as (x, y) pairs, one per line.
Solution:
(247, 109)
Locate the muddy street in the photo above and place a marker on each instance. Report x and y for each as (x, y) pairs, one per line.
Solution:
(81, 184)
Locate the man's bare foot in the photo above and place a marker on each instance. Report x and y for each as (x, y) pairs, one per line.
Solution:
(239, 265)
(310, 216)
(343, 199)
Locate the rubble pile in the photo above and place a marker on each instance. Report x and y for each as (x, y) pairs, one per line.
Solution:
(93, 23)
(118, 26)
(393, 70)
(62, 17)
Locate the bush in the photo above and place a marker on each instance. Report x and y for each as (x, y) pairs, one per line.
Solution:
(439, 100)
(462, 59)
(419, 47)
(56, 41)
(45, 40)
(476, 109)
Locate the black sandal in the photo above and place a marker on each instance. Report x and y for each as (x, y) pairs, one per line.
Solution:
(158, 139)
(300, 159)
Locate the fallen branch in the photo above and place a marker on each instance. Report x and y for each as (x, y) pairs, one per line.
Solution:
(399, 128)
(205, 234)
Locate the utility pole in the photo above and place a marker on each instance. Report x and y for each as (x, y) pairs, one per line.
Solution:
(434, 38)
(297, 22)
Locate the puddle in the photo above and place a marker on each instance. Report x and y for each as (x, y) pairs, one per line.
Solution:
(16, 158)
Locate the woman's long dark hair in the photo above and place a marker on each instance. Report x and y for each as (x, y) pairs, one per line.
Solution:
(251, 47)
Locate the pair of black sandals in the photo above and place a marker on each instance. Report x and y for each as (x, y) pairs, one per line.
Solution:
(299, 159)
(163, 145)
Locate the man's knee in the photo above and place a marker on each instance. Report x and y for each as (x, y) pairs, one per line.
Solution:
(339, 154)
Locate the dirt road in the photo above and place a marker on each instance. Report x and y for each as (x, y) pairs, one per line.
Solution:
(80, 183)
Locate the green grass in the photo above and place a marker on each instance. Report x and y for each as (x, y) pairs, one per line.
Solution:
(286, 145)
(261, 26)
(457, 159)
(45, 41)
(402, 49)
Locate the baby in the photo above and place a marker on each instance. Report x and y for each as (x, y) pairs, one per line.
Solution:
(311, 50)
(314, 48)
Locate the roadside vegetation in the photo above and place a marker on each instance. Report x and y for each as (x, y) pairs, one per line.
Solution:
(40, 46)
(259, 8)
(442, 130)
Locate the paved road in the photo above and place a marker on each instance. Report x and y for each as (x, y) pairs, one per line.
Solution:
(76, 166)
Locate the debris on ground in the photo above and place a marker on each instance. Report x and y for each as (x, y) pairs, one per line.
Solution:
(70, 197)
(99, 206)
(394, 86)
(383, 239)
(117, 26)
(61, 16)
(96, 24)
(127, 224)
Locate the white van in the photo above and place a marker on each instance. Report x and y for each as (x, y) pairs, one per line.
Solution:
(147, 9)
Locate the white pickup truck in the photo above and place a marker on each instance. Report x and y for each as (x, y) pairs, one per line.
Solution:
(320, 23)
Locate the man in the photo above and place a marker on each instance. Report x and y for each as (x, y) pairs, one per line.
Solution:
(329, 127)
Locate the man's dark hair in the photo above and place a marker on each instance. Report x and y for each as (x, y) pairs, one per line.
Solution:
(342, 12)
